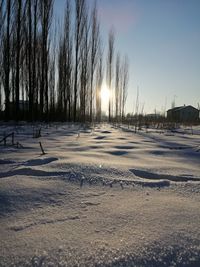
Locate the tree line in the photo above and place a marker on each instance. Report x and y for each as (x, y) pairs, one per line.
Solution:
(52, 71)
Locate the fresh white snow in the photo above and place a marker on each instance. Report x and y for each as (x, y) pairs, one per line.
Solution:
(99, 196)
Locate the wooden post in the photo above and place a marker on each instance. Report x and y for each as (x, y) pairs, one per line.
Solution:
(42, 148)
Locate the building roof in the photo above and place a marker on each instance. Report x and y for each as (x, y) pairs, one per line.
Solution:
(181, 108)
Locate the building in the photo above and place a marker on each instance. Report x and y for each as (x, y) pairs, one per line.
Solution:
(183, 114)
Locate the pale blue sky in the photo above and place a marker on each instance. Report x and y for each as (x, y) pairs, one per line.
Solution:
(162, 41)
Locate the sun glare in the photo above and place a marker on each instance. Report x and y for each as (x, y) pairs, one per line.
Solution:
(105, 95)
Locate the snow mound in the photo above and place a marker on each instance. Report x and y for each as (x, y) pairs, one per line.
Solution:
(106, 132)
(112, 177)
(152, 176)
(124, 147)
(117, 152)
(44, 221)
(37, 162)
(31, 172)
(6, 161)
(100, 137)
(152, 183)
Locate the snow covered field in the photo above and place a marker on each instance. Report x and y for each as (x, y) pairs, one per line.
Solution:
(99, 196)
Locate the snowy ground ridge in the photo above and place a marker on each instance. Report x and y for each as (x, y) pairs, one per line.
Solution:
(94, 174)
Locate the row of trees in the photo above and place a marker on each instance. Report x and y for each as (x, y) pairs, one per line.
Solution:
(56, 72)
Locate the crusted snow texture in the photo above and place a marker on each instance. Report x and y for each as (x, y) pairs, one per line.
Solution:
(100, 196)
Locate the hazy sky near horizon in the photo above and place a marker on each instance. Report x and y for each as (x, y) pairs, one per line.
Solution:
(162, 41)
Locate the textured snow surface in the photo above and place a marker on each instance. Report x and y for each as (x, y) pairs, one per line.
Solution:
(99, 196)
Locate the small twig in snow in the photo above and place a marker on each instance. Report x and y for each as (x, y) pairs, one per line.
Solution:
(43, 153)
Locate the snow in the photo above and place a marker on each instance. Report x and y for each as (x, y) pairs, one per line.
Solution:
(100, 196)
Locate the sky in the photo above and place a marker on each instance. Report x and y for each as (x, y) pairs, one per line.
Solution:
(162, 41)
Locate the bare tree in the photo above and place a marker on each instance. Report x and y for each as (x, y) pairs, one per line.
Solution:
(78, 31)
(110, 57)
(117, 86)
(60, 76)
(94, 53)
(31, 59)
(46, 13)
(18, 51)
(52, 75)
(68, 60)
(52, 82)
(2, 15)
(2, 19)
(6, 65)
(65, 66)
(84, 69)
(125, 77)
(99, 79)
(34, 60)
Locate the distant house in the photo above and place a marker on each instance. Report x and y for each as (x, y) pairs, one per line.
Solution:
(183, 114)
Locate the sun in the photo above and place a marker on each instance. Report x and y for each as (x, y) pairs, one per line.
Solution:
(105, 95)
